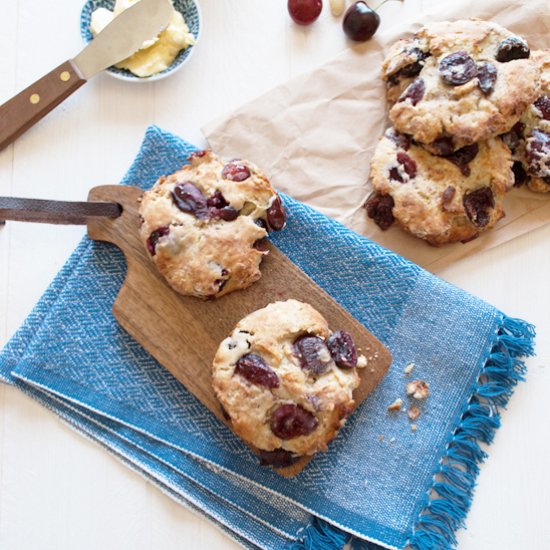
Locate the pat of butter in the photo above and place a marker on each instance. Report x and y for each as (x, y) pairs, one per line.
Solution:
(155, 55)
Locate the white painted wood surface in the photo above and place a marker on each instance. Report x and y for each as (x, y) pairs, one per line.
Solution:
(60, 492)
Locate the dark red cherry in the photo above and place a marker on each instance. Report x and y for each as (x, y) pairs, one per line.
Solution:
(255, 370)
(543, 105)
(189, 198)
(276, 216)
(512, 48)
(520, 175)
(457, 68)
(304, 12)
(537, 153)
(289, 421)
(197, 155)
(279, 458)
(227, 213)
(486, 76)
(360, 22)
(260, 222)
(380, 208)
(154, 238)
(414, 91)
(478, 204)
(401, 140)
(462, 157)
(443, 145)
(343, 350)
(313, 354)
(217, 200)
(235, 171)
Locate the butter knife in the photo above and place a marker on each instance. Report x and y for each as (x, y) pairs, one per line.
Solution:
(120, 39)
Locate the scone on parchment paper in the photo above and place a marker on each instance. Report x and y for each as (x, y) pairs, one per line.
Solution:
(457, 83)
(286, 381)
(529, 139)
(441, 199)
(204, 225)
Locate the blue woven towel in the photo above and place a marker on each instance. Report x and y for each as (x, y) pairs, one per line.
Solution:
(380, 481)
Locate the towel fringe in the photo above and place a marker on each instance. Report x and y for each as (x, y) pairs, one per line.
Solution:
(451, 495)
(320, 535)
(447, 503)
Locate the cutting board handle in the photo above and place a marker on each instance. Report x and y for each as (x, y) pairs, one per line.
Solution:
(116, 230)
(25, 109)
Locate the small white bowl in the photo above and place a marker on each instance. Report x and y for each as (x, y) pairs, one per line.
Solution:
(188, 8)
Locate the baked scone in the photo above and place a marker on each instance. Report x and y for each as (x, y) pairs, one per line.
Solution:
(204, 225)
(529, 139)
(286, 381)
(441, 199)
(457, 83)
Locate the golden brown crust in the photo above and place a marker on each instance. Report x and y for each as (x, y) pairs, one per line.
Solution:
(430, 205)
(462, 112)
(270, 333)
(207, 257)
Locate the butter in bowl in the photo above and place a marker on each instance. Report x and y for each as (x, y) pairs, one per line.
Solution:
(159, 56)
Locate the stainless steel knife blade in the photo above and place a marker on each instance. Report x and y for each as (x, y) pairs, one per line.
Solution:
(124, 36)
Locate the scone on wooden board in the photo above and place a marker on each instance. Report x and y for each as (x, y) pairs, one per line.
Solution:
(441, 199)
(286, 381)
(204, 225)
(457, 83)
(529, 139)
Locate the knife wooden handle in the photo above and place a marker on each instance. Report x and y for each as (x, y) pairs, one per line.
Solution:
(57, 212)
(26, 108)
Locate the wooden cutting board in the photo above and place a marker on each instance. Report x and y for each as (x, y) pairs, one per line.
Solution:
(183, 333)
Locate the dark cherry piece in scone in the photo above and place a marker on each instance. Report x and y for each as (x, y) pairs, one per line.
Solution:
(204, 225)
(441, 199)
(457, 83)
(286, 381)
(529, 139)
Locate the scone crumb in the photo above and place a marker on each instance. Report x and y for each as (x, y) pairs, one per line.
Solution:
(413, 427)
(409, 368)
(418, 389)
(396, 405)
(361, 362)
(392, 440)
(413, 413)
(381, 438)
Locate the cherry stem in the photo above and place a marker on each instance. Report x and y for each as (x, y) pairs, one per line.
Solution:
(382, 3)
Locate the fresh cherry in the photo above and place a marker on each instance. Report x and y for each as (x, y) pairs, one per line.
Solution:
(360, 22)
(304, 12)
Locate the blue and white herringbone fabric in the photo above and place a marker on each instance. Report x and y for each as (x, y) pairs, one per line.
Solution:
(73, 357)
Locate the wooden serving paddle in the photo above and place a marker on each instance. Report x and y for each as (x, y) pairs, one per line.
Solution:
(183, 333)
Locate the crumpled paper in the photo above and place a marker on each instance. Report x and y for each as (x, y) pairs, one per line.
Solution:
(315, 134)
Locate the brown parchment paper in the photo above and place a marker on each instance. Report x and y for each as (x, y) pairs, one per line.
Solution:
(315, 134)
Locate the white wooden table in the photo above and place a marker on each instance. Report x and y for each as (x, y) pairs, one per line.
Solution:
(58, 491)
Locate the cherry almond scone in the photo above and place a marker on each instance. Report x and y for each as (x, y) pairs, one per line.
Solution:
(205, 225)
(456, 83)
(285, 380)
